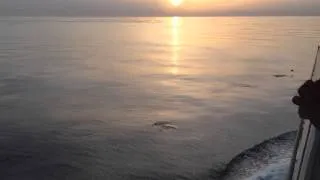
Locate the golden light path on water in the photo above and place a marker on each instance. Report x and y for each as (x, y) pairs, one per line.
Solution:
(175, 44)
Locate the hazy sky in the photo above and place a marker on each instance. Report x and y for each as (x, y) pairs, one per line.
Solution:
(157, 7)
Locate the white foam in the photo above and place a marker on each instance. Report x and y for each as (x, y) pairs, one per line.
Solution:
(275, 171)
(269, 160)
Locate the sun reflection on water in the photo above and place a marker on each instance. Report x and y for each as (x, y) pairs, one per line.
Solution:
(175, 44)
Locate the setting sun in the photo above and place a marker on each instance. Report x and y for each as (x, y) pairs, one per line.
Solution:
(176, 2)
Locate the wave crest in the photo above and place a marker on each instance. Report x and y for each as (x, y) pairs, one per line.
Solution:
(269, 160)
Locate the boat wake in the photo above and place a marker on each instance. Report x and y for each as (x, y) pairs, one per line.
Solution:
(269, 160)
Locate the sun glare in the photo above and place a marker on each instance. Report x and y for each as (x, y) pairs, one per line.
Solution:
(176, 3)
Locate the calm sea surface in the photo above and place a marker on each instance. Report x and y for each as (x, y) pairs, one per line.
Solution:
(79, 96)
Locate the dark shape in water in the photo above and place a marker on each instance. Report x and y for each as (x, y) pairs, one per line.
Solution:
(161, 123)
(165, 125)
(245, 85)
(279, 75)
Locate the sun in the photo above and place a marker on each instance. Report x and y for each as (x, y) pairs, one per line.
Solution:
(176, 3)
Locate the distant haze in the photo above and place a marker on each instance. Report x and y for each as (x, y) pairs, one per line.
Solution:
(157, 7)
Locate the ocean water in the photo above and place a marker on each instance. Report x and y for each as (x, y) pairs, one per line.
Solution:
(151, 98)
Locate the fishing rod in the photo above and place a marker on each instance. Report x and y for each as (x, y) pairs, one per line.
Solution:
(305, 163)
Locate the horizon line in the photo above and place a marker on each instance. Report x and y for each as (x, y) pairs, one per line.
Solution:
(242, 15)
